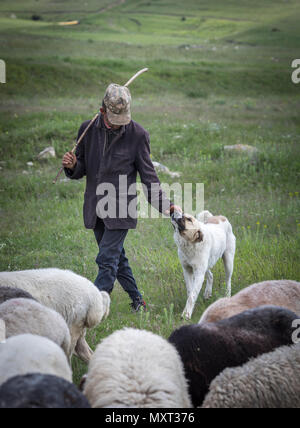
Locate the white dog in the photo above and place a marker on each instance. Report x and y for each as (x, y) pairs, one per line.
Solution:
(201, 243)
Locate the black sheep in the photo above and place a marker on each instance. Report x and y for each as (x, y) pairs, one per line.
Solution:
(207, 349)
(8, 293)
(37, 391)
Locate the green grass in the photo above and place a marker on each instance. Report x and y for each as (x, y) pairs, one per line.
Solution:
(52, 10)
(217, 78)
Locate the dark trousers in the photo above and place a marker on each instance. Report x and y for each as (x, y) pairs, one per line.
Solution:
(112, 261)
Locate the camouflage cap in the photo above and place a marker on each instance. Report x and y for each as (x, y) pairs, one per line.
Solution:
(117, 101)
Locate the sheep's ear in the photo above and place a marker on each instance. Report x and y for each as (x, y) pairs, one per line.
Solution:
(199, 236)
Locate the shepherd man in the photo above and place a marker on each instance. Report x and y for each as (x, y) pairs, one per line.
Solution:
(112, 152)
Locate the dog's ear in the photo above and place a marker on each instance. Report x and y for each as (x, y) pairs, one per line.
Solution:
(198, 237)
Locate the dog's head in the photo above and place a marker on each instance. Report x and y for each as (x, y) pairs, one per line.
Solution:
(188, 227)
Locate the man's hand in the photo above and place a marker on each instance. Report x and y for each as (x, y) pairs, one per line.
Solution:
(69, 160)
(173, 209)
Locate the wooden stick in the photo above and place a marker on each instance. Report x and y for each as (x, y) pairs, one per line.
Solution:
(77, 144)
(135, 76)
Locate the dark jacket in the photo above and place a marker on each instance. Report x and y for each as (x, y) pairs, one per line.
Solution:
(103, 160)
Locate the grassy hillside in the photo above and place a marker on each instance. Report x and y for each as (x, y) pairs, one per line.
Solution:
(220, 74)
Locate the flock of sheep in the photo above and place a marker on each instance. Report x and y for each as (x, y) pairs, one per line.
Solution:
(243, 353)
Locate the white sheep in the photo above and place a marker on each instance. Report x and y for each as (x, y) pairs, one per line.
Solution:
(24, 354)
(136, 369)
(77, 299)
(25, 316)
(269, 381)
(2, 330)
(282, 293)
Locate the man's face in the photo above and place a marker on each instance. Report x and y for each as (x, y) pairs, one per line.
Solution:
(107, 122)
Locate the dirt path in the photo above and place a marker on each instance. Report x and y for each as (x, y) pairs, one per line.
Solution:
(54, 12)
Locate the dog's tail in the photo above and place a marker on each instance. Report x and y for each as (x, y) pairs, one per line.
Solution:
(204, 216)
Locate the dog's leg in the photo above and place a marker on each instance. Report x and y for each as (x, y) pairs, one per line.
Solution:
(188, 277)
(228, 259)
(209, 285)
(196, 288)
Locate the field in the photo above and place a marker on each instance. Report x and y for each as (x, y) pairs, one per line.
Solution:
(220, 74)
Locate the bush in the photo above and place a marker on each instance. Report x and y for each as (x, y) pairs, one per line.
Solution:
(36, 17)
